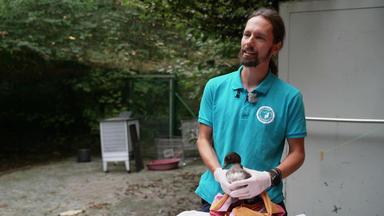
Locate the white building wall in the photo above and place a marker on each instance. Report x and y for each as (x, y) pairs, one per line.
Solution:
(334, 53)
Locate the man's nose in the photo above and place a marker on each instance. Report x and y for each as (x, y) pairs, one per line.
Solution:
(250, 41)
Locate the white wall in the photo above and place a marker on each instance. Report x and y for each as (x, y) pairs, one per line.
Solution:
(334, 53)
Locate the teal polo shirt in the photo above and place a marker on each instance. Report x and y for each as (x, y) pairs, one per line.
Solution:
(256, 131)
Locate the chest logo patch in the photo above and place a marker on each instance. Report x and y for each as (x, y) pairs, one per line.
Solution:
(265, 114)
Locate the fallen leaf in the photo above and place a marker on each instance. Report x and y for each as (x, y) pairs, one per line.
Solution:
(99, 206)
(71, 212)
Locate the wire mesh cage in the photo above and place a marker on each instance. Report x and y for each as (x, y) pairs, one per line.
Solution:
(169, 147)
(189, 134)
(179, 147)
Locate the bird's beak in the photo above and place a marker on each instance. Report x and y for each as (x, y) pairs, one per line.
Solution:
(225, 165)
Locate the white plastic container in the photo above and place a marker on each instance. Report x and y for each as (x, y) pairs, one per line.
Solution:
(116, 143)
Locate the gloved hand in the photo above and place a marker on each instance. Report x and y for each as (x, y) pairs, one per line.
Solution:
(221, 177)
(250, 187)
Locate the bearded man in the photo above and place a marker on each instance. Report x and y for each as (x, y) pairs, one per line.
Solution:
(252, 112)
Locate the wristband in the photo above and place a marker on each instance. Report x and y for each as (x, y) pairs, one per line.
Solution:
(275, 177)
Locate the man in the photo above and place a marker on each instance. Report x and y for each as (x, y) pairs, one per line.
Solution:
(252, 112)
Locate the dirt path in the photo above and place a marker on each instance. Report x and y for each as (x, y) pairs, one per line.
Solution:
(67, 185)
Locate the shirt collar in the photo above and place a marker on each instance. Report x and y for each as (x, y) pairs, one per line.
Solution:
(264, 86)
(236, 84)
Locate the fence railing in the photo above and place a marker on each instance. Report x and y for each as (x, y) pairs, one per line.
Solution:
(352, 120)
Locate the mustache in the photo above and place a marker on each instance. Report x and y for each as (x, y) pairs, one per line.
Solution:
(247, 49)
(248, 62)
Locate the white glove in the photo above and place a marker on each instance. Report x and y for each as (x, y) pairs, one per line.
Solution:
(250, 187)
(221, 177)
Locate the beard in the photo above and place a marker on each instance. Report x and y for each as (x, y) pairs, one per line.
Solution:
(252, 61)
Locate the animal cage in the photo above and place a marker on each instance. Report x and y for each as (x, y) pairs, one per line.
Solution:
(189, 134)
(116, 142)
(169, 148)
(179, 147)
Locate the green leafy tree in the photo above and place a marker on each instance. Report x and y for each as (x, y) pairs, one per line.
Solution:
(66, 64)
(219, 18)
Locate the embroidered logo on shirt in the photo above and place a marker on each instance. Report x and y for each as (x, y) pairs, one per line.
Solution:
(265, 114)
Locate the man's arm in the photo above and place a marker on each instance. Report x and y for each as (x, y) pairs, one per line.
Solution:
(295, 158)
(204, 144)
(259, 181)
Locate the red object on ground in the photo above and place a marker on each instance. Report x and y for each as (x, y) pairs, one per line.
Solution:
(165, 164)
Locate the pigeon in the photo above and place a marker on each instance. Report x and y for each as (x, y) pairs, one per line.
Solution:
(236, 173)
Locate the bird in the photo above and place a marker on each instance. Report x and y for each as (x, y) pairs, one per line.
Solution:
(237, 173)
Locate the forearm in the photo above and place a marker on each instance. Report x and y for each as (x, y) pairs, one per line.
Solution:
(204, 145)
(295, 158)
(291, 163)
(208, 155)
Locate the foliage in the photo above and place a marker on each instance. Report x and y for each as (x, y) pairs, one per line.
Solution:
(37, 106)
(66, 64)
(219, 18)
(90, 31)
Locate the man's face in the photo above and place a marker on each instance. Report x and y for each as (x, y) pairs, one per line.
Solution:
(257, 42)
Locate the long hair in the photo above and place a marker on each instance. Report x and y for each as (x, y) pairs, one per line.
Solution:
(278, 30)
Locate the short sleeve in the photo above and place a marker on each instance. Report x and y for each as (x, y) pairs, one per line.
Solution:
(296, 125)
(206, 104)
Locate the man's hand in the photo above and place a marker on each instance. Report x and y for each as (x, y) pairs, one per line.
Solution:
(250, 187)
(221, 177)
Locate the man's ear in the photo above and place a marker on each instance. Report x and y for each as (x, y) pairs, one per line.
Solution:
(276, 48)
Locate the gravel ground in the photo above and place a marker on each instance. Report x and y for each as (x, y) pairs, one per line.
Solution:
(67, 185)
